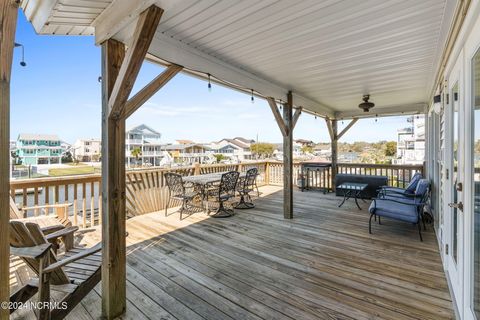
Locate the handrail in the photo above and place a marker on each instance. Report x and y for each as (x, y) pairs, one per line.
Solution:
(147, 191)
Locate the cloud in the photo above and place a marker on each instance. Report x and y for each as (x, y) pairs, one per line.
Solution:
(151, 108)
(96, 106)
(235, 103)
(249, 116)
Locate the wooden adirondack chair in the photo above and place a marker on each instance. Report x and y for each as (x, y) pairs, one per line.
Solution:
(49, 223)
(60, 210)
(75, 275)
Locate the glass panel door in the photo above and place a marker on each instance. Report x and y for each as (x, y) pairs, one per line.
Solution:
(476, 185)
(454, 184)
(455, 127)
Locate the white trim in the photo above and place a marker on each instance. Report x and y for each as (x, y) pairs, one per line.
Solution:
(399, 110)
(472, 46)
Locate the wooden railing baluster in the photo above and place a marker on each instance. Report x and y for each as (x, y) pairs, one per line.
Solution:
(84, 204)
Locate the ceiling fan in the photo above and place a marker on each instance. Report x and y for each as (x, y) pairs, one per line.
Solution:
(366, 105)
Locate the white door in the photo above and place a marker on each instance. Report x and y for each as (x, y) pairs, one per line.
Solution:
(455, 181)
(472, 184)
(472, 192)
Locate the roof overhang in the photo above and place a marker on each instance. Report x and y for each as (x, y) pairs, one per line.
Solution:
(327, 53)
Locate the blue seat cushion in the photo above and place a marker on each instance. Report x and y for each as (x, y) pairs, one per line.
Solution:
(394, 210)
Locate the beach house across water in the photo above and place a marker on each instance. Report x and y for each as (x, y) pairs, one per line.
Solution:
(33, 149)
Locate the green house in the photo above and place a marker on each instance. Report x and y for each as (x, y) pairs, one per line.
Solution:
(33, 149)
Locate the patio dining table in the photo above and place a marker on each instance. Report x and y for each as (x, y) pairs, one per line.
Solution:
(208, 178)
(203, 180)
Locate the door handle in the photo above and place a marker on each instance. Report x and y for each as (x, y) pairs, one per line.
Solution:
(458, 205)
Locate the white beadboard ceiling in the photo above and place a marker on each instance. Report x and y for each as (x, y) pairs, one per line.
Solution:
(329, 53)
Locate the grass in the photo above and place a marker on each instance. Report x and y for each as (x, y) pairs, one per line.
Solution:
(73, 164)
(77, 170)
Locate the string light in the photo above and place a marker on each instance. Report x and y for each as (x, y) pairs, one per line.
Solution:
(209, 83)
(252, 99)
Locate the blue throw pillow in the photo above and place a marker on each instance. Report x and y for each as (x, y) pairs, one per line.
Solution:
(422, 189)
(412, 186)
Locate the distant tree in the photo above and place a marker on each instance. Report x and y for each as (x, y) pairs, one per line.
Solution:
(96, 157)
(390, 148)
(306, 149)
(262, 149)
(219, 157)
(67, 157)
(136, 152)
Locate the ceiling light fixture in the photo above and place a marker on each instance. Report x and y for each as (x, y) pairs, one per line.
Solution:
(366, 105)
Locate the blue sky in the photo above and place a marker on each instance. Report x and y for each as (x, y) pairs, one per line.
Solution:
(59, 93)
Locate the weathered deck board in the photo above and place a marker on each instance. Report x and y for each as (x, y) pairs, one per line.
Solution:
(323, 264)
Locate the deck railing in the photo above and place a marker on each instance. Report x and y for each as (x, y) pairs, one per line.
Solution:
(147, 190)
(398, 175)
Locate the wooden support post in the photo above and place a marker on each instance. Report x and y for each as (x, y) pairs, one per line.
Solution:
(119, 72)
(288, 159)
(334, 127)
(286, 125)
(113, 189)
(196, 169)
(8, 22)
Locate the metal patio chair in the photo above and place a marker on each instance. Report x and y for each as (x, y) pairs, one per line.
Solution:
(245, 186)
(223, 192)
(177, 190)
(408, 190)
(403, 209)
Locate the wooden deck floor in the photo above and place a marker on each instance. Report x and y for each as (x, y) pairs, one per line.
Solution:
(323, 264)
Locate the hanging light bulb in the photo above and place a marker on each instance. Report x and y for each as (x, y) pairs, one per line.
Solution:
(252, 99)
(342, 121)
(209, 83)
(376, 117)
(315, 117)
(22, 63)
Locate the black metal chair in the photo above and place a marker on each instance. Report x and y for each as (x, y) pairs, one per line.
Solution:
(178, 191)
(245, 187)
(223, 192)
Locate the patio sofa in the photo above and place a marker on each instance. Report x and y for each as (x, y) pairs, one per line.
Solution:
(374, 183)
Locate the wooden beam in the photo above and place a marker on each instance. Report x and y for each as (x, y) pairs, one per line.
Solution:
(8, 23)
(334, 145)
(117, 17)
(329, 127)
(297, 114)
(113, 189)
(288, 159)
(354, 120)
(150, 89)
(145, 30)
(278, 116)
